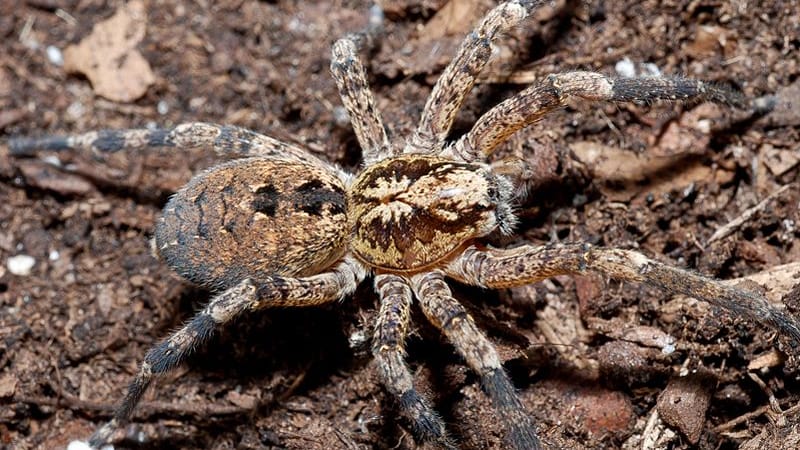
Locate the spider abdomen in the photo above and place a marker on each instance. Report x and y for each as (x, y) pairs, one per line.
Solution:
(413, 211)
(254, 218)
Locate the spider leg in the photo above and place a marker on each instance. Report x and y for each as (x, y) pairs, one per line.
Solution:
(389, 352)
(248, 295)
(501, 268)
(351, 79)
(553, 91)
(225, 140)
(458, 78)
(446, 313)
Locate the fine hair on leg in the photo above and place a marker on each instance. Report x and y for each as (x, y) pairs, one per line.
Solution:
(502, 268)
(447, 314)
(245, 296)
(388, 348)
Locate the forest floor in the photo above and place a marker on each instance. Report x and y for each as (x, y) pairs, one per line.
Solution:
(591, 357)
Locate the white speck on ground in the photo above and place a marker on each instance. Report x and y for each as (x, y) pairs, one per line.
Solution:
(81, 445)
(625, 67)
(54, 55)
(20, 265)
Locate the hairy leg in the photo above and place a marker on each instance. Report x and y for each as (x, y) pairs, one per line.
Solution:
(447, 314)
(552, 92)
(224, 307)
(458, 78)
(226, 140)
(389, 352)
(351, 79)
(500, 268)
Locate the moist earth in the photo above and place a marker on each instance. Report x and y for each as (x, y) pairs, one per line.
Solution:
(599, 364)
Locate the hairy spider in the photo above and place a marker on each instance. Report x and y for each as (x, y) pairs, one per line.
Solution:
(279, 227)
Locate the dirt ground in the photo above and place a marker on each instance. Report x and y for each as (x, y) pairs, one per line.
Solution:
(590, 356)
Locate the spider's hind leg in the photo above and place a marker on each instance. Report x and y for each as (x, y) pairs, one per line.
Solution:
(225, 140)
(351, 79)
(245, 296)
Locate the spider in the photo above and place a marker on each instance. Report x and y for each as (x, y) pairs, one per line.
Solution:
(277, 227)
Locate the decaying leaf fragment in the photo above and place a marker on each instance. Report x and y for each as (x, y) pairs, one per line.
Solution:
(109, 58)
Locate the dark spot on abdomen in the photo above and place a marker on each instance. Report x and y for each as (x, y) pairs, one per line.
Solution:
(266, 200)
(202, 222)
(312, 196)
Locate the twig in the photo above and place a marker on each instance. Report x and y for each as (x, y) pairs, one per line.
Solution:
(748, 214)
(753, 414)
(741, 419)
(774, 413)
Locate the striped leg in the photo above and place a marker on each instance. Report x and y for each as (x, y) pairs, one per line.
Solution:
(458, 78)
(501, 268)
(447, 314)
(389, 352)
(247, 295)
(225, 140)
(351, 79)
(552, 92)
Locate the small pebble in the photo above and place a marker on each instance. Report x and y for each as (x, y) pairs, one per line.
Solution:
(20, 265)
(76, 110)
(162, 107)
(78, 445)
(81, 445)
(651, 69)
(625, 68)
(54, 255)
(54, 55)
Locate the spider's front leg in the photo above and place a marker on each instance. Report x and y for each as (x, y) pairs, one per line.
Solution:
(447, 314)
(388, 348)
(553, 91)
(502, 268)
(247, 295)
(458, 78)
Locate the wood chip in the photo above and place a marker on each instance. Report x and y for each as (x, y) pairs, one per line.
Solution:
(8, 385)
(772, 358)
(684, 403)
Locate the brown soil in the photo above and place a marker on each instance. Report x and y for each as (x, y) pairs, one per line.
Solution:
(74, 330)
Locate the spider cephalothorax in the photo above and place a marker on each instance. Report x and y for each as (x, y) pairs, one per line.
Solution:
(279, 227)
(413, 211)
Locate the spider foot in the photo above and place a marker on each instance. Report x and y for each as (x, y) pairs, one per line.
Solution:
(426, 424)
(521, 434)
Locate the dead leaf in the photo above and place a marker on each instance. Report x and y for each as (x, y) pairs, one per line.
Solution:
(439, 39)
(109, 58)
(708, 41)
(455, 18)
(779, 161)
(625, 174)
(786, 112)
(768, 360)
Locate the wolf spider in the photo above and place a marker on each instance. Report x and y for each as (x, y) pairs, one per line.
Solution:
(279, 227)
